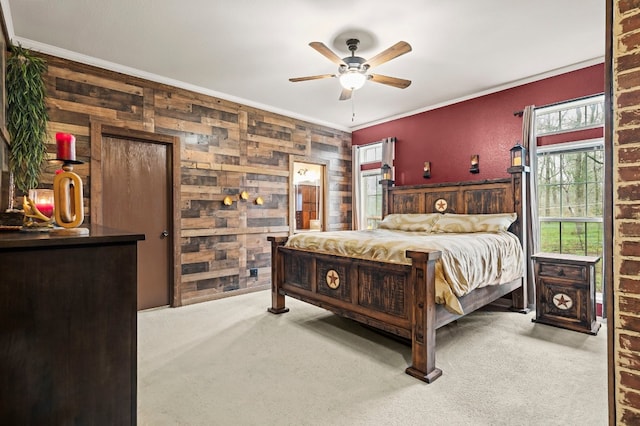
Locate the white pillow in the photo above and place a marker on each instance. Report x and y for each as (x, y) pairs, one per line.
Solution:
(465, 223)
(415, 222)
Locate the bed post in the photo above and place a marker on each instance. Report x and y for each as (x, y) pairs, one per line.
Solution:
(423, 317)
(277, 271)
(518, 186)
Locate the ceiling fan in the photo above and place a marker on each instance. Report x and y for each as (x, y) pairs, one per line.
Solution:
(352, 70)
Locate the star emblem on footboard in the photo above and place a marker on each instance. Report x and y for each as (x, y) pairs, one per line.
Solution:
(441, 205)
(333, 279)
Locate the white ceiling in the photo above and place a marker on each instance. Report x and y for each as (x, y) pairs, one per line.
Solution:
(245, 50)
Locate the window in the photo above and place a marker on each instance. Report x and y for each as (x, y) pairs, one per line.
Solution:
(570, 116)
(367, 172)
(371, 190)
(372, 194)
(371, 153)
(570, 180)
(570, 199)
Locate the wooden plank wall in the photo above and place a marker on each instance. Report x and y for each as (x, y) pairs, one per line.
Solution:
(226, 148)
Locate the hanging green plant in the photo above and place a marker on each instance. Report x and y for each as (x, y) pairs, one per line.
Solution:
(26, 116)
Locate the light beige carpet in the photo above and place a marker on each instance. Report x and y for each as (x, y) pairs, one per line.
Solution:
(229, 362)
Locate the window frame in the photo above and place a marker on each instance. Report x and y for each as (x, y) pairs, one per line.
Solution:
(383, 154)
(566, 107)
(583, 146)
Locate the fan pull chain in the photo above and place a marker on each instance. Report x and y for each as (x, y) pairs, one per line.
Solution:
(353, 106)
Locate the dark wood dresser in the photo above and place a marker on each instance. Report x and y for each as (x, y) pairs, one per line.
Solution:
(68, 328)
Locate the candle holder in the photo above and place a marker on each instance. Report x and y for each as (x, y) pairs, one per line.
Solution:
(67, 189)
(38, 210)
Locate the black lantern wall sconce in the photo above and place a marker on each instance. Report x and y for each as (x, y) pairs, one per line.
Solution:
(386, 172)
(518, 155)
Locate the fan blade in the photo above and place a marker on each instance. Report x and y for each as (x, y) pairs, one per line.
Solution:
(390, 81)
(400, 48)
(345, 94)
(311, 77)
(327, 53)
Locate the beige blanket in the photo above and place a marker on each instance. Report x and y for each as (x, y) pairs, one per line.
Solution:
(468, 261)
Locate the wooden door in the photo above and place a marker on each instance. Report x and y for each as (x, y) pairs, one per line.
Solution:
(136, 196)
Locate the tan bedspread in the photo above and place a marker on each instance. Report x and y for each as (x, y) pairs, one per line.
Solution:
(468, 261)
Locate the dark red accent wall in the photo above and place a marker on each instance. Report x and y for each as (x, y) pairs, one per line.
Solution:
(486, 126)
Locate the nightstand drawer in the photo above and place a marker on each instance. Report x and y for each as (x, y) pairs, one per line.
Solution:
(558, 270)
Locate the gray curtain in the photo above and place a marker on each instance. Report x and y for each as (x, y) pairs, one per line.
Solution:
(529, 141)
(356, 200)
(389, 154)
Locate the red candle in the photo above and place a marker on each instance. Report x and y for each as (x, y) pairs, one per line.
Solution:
(45, 208)
(43, 200)
(66, 144)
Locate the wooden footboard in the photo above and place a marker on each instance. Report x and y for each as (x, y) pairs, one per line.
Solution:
(399, 299)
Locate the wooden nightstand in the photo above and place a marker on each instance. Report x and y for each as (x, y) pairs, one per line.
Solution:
(565, 291)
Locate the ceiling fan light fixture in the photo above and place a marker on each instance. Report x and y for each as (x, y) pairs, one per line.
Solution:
(352, 70)
(352, 80)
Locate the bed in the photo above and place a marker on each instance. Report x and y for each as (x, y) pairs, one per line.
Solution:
(399, 293)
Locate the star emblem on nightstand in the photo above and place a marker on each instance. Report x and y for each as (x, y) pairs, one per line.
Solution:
(441, 205)
(562, 301)
(333, 279)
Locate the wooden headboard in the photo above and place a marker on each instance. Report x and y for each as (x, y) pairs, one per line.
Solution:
(487, 196)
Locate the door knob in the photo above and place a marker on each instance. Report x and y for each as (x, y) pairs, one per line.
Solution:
(164, 234)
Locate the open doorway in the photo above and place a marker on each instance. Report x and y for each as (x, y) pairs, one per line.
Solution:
(308, 206)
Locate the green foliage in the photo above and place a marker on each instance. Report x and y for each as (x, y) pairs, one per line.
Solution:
(26, 116)
(581, 238)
